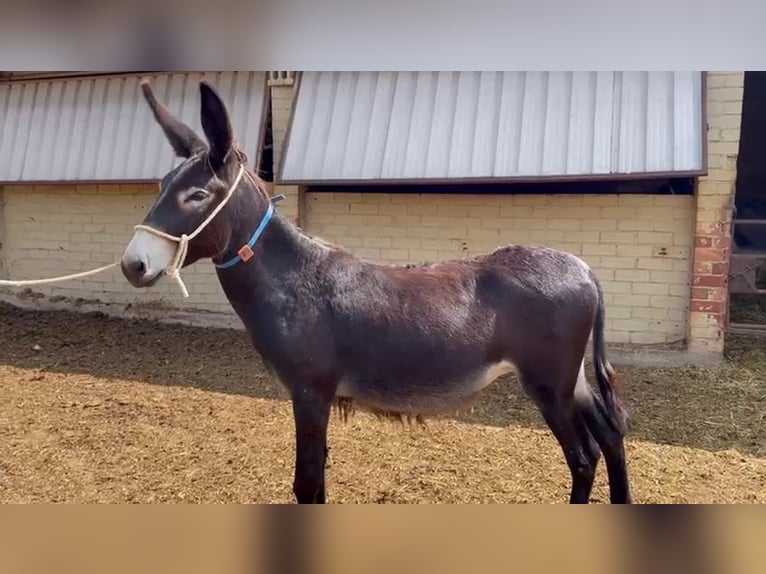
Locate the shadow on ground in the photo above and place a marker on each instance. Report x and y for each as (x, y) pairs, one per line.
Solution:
(714, 408)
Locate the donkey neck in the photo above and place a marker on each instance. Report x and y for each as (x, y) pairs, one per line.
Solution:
(280, 249)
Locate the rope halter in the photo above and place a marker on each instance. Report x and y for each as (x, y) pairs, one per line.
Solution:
(174, 269)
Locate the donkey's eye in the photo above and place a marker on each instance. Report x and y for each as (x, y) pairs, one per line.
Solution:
(199, 195)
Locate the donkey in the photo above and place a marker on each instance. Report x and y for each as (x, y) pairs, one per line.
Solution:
(397, 340)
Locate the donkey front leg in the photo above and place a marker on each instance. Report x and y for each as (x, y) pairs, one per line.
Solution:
(311, 410)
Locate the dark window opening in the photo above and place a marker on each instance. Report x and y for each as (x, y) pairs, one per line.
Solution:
(760, 276)
(266, 165)
(750, 197)
(664, 186)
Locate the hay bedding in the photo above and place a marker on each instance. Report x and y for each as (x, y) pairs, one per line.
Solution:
(102, 410)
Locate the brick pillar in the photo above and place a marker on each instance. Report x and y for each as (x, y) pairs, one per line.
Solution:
(281, 109)
(715, 198)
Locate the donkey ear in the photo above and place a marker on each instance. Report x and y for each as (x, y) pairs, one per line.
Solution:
(216, 124)
(181, 137)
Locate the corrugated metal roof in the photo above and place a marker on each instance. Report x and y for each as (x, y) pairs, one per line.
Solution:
(101, 129)
(363, 126)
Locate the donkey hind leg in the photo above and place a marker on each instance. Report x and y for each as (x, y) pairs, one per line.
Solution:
(560, 411)
(563, 422)
(608, 438)
(311, 410)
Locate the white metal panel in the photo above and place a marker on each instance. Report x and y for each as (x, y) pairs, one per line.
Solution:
(378, 125)
(534, 109)
(579, 156)
(72, 158)
(508, 117)
(556, 127)
(440, 143)
(320, 124)
(420, 125)
(51, 120)
(605, 115)
(361, 107)
(410, 126)
(687, 130)
(631, 150)
(37, 105)
(659, 124)
(339, 123)
(464, 127)
(101, 129)
(108, 136)
(65, 133)
(399, 117)
(10, 126)
(485, 133)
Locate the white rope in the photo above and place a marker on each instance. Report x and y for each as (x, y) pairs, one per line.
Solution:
(56, 279)
(174, 270)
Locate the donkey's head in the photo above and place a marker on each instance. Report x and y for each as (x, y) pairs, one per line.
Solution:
(189, 193)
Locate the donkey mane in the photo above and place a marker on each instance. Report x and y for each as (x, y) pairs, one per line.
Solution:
(260, 185)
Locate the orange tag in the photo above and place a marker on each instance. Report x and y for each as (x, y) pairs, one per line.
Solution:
(245, 252)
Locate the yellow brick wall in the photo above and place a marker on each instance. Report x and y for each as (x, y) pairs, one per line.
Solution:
(639, 245)
(57, 230)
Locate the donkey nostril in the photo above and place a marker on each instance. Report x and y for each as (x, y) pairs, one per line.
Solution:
(134, 268)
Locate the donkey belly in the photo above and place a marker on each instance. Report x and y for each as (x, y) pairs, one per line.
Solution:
(424, 396)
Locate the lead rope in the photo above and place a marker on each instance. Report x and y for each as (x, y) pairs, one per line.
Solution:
(26, 282)
(174, 270)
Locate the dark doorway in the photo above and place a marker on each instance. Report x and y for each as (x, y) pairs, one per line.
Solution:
(747, 282)
(750, 199)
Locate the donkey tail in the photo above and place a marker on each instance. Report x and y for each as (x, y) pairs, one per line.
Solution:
(610, 404)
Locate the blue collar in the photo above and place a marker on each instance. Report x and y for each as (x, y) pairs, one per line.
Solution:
(246, 251)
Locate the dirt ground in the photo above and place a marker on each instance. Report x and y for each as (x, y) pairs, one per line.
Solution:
(94, 409)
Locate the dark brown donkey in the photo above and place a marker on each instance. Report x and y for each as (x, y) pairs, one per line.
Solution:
(397, 340)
